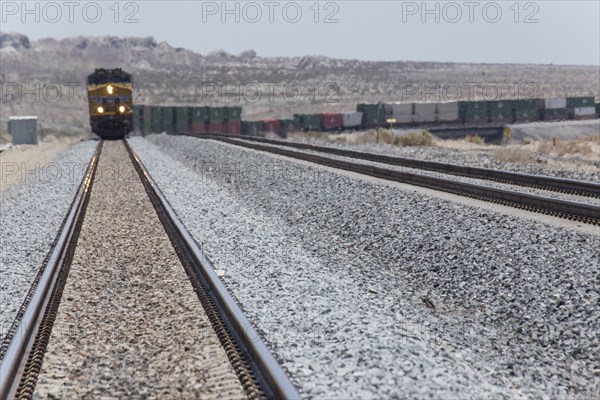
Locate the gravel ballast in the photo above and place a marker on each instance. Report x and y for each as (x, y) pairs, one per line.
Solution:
(482, 157)
(480, 182)
(32, 211)
(364, 290)
(130, 324)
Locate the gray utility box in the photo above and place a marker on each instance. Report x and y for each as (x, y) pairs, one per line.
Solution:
(24, 130)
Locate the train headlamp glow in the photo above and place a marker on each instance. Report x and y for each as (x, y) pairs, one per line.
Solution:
(110, 89)
(100, 110)
(122, 109)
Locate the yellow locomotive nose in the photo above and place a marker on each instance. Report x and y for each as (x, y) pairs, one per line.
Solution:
(109, 88)
(100, 110)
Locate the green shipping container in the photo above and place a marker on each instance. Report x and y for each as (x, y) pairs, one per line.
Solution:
(556, 114)
(182, 120)
(200, 114)
(217, 114)
(526, 110)
(147, 120)
(501, 111)
(290, 125)
(252, 128)
(138, 117)
(168, 119)
(309, 121)
(373, 114)
(577, 102)
(474, 111)
(156, 124)
(233, 113)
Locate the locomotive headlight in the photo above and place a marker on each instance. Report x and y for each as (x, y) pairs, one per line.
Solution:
(122, 109)
(100, 110)
(109, 88)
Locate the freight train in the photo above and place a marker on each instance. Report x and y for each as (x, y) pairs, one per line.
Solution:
(435, 116)
(110, 103)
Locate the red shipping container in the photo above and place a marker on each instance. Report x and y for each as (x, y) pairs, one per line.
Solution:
(331, 120)
(272, 125)
(233, 127)
(215, 127)
(198, 128)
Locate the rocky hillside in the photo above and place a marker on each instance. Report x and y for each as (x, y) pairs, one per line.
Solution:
(42, 75)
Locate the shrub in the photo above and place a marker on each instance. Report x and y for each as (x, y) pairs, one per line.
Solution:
(422, 138)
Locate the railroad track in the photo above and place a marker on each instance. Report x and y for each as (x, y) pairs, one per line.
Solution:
(559, 185)
(23, 350)
(586, 213)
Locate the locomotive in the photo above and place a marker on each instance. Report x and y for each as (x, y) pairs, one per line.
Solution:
(110, 103)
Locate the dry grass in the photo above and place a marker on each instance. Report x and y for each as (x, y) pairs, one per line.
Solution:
(475, 139)
(512, 155)
(422, 138)
(585, 146)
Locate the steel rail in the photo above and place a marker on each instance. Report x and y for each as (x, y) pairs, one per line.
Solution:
(270, 374)
(565, 209)
(538, 181)
(17, 357)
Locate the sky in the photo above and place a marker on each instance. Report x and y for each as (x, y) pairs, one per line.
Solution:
(538, 32)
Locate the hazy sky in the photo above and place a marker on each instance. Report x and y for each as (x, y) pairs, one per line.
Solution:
(559, 32)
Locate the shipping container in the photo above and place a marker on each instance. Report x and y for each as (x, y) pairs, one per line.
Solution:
(200, 115)
(198, 128)
(351, 119)
(23, 130)
(156, 119)
(580, 102)
(475, 112)
(272, 125)
(215, 127)
(309, 121)
(555, 103)
(373, 114)
(217, 114)
(424, 112)
(147, 120)
(331, 121)
(233, 127)
(168, 119)
(252, 128)
(556, 114)
(138, 117)
(447, 112)
(233, 113)
(394, 109)
(526, 110)
(501, 111)
(182, 120)
(403, 113)
(289, 126)
(584, 112)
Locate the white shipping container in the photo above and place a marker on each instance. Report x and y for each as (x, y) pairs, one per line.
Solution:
(397, 109)
(425, 109)
(584, 111)
(448, 117)
(555, 102)
(425, 117)
(403, 118)
(351, 119)
(24, 130)
(447, 108)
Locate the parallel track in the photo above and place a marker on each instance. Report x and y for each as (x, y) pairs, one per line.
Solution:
(23, 349)
(529, 180)
(564, 209)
